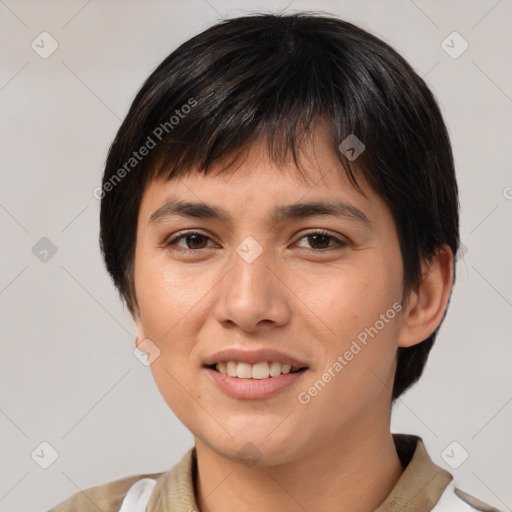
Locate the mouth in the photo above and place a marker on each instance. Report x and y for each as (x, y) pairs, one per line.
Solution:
(258, 371)
(257, 381)
(256, 374)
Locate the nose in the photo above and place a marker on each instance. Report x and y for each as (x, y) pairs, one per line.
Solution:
(254, 293)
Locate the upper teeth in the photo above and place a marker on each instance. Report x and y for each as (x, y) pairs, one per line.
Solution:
(255, 371)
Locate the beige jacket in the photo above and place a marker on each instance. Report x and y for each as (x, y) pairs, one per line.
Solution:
(422, 487)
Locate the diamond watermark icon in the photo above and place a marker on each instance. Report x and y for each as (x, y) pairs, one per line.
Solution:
(44, 249)
(454, 455)
(454, 45)
(249, 249)
(146, 352)
(44, 45)
(249, 454)
(351, 147)
(44, 455)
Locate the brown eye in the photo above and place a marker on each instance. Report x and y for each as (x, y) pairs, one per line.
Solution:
(316, 240)
(319, 241)
(193, 241)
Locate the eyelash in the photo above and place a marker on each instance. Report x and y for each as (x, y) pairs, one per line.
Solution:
(341, 244)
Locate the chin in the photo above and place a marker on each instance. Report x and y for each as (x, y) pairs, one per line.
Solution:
(254, 447)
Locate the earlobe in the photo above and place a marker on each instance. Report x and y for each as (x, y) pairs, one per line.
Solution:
(427, 305)
(139, 331)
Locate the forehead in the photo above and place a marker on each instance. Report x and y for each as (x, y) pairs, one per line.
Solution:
(257, 186)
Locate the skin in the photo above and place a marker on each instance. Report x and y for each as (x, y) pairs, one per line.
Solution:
(307, 298)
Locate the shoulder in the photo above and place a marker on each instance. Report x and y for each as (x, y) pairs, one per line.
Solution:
(106, 497)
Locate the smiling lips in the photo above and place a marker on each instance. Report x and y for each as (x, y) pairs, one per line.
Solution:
(261, 370)
(254, 381)
(254, 374)
(258, 364)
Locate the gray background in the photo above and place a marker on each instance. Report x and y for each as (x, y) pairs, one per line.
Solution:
(68, 374)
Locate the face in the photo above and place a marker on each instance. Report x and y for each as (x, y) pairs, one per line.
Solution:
(315, 290)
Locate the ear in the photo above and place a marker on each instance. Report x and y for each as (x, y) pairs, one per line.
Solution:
(426, 306)
(139, 330)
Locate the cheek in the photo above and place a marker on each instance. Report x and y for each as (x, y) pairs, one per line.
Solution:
(359, 351)
(353, 299)
(168, 301)
(359, 307)
(167, 298)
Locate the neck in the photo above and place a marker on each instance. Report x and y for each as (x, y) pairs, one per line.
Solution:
(354, 473)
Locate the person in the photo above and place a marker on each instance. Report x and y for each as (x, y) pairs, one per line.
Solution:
(279, 212)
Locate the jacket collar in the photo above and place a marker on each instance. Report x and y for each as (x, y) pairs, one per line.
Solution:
(421, 484)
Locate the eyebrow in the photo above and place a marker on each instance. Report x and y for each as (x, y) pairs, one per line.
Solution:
(279, 214)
